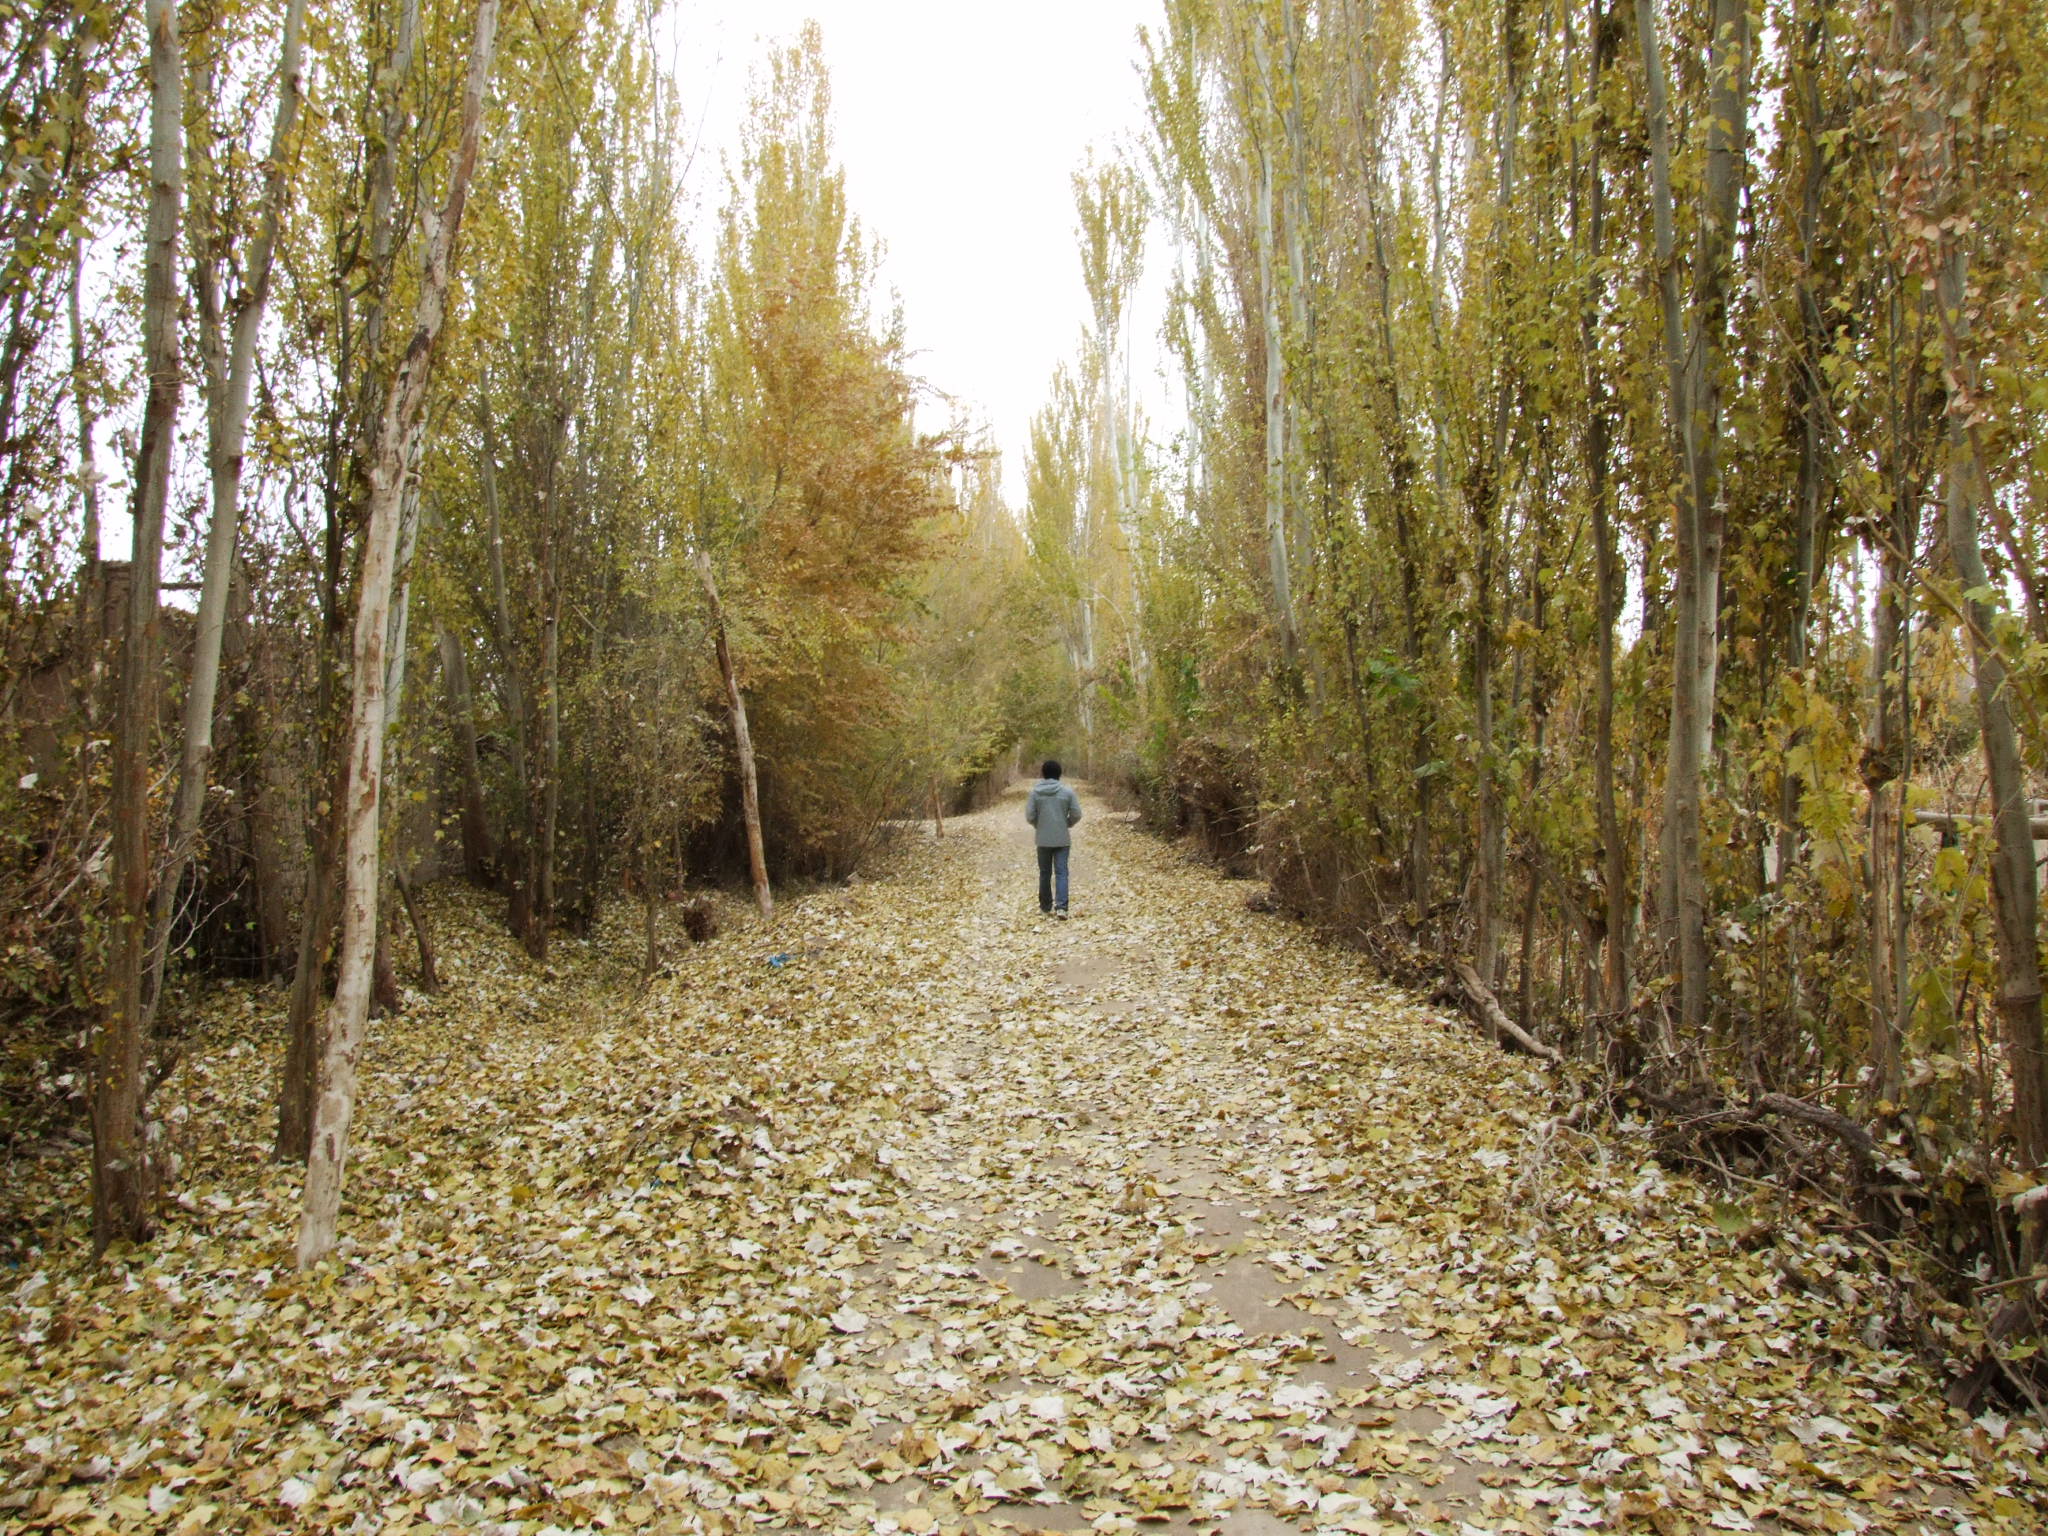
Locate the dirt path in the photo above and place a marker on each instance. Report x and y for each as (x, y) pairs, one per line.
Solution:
(919, 1212)
(1230, 1238)
(1142, 1213)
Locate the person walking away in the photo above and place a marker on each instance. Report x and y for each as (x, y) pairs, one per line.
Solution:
(1053, 809)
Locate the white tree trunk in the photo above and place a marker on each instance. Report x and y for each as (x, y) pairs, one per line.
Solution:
(228, 382)
(393, 436)
(401, 579)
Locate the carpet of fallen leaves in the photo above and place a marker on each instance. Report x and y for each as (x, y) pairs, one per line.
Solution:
(918, 1212)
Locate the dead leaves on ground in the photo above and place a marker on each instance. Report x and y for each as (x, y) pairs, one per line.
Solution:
(919, 1216)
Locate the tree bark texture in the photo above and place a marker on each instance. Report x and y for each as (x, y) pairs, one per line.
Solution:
(1808, 382)
(1616, 981)
(1484, 499)
(1884, 775)
(1279, 541)
(388, 463)
(1278, 554)
(1941, 86)
(1694, 346)
(1493, 1018)
(230, 372)
(743, 742)
(2015, 896)
(304, 1011)
(120, 1172)
(550, 775)
(517, 869)
(1401, 468)
(430, 974)
(479, 858)
(267, 794)
(87, 418)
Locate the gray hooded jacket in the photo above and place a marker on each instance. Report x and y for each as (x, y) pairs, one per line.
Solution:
(1051, 807)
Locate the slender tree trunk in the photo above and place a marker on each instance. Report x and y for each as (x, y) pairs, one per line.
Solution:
(88, 453)
(1484, 495)
(120, 1172)
(397, 649)
(1887, 769)
(589, 833)
(1127, 479)
(394, 435)
(1937, 89)
(1525, 1001)
(348, 443)
(318, 899)
(1694, 346)
(299, 1081)
(743, 742)
(517, 871)
(1682, 879)
(551, 773)
(384, 994)
(1883, 776)
(393, 79)
(1486, 890)
(2015, 895)
(1084, 655)
(1402, 466)
(479, 858)
(1808, 385)
(1278, 540)
(1616, 981)
(1401, 470)
(1681, 786)
(430, 974)
(1539, 729)
(261, 789)
(650, 922)
(1421, 760)
(229, 374)
(1298, 398)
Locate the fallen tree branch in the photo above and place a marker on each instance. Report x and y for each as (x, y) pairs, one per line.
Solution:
(1956, 821)
(1858, 1140)
(1716, 1116)
(1479, 997)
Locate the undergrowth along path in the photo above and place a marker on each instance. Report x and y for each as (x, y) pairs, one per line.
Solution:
(918, 1211)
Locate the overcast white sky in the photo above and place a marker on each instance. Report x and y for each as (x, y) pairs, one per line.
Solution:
(960, 124)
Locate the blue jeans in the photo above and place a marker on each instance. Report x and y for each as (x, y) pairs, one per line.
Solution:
(1052, 862)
